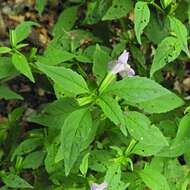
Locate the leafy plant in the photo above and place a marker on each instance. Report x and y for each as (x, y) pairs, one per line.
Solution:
(115, 121)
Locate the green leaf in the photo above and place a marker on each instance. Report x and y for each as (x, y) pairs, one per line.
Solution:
(112, 110)
(181, 33)
(66, 20)
(8, 94)
(4, 50)
(34, 160)
(118, 9)
(23, 30)
(156, 30)
(142, 16)
(40, 5)
(26, 146)
(145, 94)
(6, 68)
(153, 179)
(98, 160)
(180, 144)
(150, 138)
(100, 63)
(70, 81)
(84, 164)
(168, 50)
(12, 36)
(55, 113)
(54, 55)
(188, 12)
(74, 136)
(21, 64)
(96, 10)
(165, 3)
(15, 181)
(113, 177)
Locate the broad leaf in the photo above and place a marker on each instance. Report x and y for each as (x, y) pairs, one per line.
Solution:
(4, 50)
(168, 50)
(40, 5)
(66, 20)
(8, 94)
(55, 113)
(145, 94)
(96, 10)
(21, 64)
(150, 138)
(15, 181)
(84, 164)
(34, 160)
(100, 63)
(118, 9)
(112, 110)
(113, 177)
(54, 55)
(153, 179)
(26, 147)
(71, 82)
(23, 30)
(74, 136)
(180, 31)
(156, 31)
(180, 144)
(6, 68)
(142, 16)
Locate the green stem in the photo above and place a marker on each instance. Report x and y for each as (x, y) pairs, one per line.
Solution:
(105, 83)
(85, 100)
(123, 26)
(157, 7)
(130, 147)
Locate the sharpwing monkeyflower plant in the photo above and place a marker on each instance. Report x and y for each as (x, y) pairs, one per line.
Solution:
(118, 66)
(102, 186)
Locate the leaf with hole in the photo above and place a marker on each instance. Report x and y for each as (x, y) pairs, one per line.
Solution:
(142, 16)
(168, 50)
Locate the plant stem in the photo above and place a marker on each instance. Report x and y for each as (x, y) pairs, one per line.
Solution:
(130, 147)
(157, 7)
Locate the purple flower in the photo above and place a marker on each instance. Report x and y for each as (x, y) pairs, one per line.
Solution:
(122, 67)
(101, 186)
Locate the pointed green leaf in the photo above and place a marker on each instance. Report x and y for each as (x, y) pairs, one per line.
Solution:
(180, 31)
(84, 164)
(145, 94)
(118, 9)
(8, 94)
(153, 179)
(4, 50)
(150, 138)
(100, 63)
(111, 109)
(23, 30)
(71, 82)
(15, 181)
(180, 144)
(21, 64)
(142, 16)
(168, 50)
(66, 20)
(40, 5)
(74, 136)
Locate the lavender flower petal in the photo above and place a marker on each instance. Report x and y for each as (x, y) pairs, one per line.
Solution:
(101, 186)
(123, 58)
(118, 67)
(128, 72)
